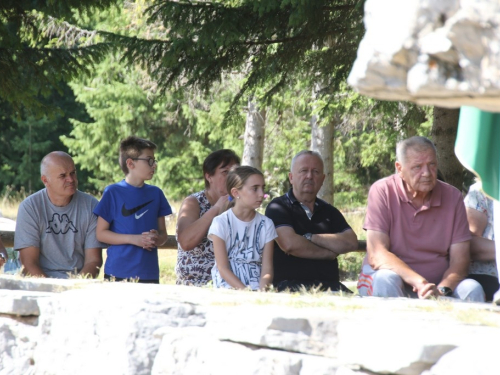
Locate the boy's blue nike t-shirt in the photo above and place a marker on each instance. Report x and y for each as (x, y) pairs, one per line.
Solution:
(132, 210)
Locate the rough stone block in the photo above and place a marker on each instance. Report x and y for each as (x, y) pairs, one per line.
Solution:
(17, 342)
(20, 303)
(305, 331)
(126, 328)
(197, 351)
(476, 358)
(401, 344)
(15, 282)
(443, 53)
(111, 323)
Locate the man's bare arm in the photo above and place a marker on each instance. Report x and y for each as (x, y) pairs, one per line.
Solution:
(340, 243)
(295, 244)
(30, 259)
(481, 248)
(379, 257)
(459, 265)
(93, 262)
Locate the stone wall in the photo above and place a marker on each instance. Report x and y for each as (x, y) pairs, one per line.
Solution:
(444, 53)
(90, 327)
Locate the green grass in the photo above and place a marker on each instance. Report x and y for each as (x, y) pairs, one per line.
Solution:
(167, 259)
(350, 263)
(356, 219)
(10, 201)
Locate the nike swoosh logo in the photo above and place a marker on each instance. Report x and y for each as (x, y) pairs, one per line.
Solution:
(139, 216)
(127, 212)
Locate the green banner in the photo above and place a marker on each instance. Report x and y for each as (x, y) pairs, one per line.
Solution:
(478, 147)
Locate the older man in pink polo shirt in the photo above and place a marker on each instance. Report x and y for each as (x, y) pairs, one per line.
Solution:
(417, 232)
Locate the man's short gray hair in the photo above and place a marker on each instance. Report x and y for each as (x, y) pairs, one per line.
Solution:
(307, 152)
(47, 159)
(417, 143)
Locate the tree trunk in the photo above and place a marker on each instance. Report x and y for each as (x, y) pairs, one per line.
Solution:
(444, 134)
(253, 151)
(322, 141)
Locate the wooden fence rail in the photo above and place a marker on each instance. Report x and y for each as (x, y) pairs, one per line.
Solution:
(171, 244)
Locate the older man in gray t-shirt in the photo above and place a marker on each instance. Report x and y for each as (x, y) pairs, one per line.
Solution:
(55, 229)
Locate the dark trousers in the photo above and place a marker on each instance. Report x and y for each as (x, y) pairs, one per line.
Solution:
(140, 281)
(489, 283)
(323, 285)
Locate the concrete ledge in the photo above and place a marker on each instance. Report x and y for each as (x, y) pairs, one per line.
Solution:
(15, 282)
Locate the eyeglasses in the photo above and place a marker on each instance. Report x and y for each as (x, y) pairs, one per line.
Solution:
(150, 161)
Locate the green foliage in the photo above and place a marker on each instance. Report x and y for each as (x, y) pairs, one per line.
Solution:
(24, 140)
(287, 132)
(365, 143)
(32, 64)
(366, 133)
(122, 100)
(271, 42)
(350, 265)
(291, 56)
(184, 128)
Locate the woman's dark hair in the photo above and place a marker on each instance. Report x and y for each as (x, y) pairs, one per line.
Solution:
(218, 158)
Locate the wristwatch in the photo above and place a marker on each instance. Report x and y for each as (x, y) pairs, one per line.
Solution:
(308, 236)
(3, 257)
(445, 291)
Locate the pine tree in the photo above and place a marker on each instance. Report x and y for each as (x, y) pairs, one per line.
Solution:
(40, 48)
(122, 100)
(25, 140)
(272, 42)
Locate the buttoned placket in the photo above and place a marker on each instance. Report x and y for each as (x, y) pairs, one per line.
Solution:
(309, 213)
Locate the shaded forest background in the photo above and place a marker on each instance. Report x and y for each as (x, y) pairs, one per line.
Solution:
(81, 76)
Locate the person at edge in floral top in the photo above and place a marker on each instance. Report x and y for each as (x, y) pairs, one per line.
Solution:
(483, 267)
(195, 255)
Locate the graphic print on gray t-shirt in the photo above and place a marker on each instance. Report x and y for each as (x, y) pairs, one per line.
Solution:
(62, 234)
(60, 224)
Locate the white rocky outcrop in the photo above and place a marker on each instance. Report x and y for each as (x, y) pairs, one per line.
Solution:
(84, 327)
(444, 53)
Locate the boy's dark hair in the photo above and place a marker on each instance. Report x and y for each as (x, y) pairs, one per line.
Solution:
(131, 148)
(223, 158)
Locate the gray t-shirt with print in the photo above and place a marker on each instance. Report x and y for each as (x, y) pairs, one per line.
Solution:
(61, 233)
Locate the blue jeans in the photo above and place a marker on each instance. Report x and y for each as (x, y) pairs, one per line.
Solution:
(386, 283)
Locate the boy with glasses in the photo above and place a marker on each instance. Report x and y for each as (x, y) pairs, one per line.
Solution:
(131, 216)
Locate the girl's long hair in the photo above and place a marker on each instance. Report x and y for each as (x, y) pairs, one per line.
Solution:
(236, 179)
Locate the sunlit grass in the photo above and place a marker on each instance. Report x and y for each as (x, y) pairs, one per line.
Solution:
(167, 259)
(479, 318)
(350, 263)
(10, 202)
(356, 219)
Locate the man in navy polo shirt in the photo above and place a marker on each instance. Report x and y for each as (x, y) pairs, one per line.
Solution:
(311, 232)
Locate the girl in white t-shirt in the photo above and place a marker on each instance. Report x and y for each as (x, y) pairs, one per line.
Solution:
(243, 239)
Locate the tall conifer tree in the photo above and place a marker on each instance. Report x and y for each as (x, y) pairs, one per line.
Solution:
(39, 48)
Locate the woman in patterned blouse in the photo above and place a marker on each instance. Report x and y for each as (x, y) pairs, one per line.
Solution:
(483, 267)
(195, 255)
